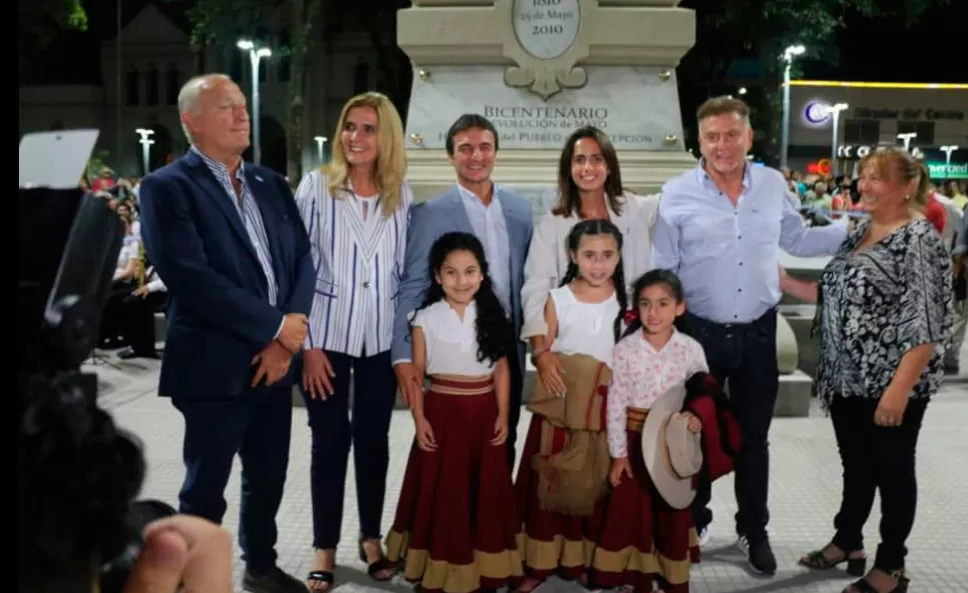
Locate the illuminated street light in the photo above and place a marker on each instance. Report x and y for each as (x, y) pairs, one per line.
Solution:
(256, 53)
(788, 55)
(145, 140)
(320, 142)
(834, 111)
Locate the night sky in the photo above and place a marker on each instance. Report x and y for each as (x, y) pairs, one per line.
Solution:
(872, 50)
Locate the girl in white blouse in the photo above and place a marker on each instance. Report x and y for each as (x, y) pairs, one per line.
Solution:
(652, 357)
(456, 528)
(584, 317)
(589, 187)
(356, 211)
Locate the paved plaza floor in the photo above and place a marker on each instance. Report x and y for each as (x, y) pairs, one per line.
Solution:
(804, 494)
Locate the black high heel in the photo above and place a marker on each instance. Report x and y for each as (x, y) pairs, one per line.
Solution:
(816, 560)
(377, 566)
(864, 586)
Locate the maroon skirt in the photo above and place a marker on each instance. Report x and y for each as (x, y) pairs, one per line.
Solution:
(456, 526)
(554, 543)
(643, 539)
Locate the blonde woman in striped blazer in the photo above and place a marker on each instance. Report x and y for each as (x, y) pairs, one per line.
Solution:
(356, 210)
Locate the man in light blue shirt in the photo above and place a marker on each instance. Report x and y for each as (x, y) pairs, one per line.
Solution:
(719, 228)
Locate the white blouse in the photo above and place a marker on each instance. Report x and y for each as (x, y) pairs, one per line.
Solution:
(359, 261)
(547, 260)
(640, 374)
(584, 328)
(451, 342)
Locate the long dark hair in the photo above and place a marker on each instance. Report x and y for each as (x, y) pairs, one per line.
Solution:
(569, 202)
(671, 282)
(494, 333)
(599, 227)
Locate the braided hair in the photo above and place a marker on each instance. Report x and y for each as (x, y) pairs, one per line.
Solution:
(590, 228)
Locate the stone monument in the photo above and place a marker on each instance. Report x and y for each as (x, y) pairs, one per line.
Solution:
(539, 69)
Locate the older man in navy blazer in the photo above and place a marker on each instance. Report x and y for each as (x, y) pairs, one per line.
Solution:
(227, 240)
(502, 221)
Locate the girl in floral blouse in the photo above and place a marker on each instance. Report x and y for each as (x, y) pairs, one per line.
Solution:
(643, 539)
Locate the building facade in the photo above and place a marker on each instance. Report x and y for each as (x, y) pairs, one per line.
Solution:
(157, 57)
(875, 114)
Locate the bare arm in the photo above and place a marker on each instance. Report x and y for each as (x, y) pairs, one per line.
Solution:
(419, 364)
(805, 290)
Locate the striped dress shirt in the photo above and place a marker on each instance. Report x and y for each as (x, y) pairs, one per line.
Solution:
(358, 261)
(250, 215)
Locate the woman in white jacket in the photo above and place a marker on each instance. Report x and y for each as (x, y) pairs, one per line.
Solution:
(589, 186)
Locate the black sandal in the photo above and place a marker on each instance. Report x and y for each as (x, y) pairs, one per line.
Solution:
(321, 576)
(383, 564)
(864, 586)
(816, 560)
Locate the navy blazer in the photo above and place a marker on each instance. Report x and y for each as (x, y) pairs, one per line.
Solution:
(219, 316)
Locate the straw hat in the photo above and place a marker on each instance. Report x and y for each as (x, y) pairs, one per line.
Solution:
(672, 454)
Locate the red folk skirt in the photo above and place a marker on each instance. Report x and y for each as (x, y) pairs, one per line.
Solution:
(456, 526)
(554, 543)
(642, 538)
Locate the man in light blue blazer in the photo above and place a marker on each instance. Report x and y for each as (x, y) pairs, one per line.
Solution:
(501, 220)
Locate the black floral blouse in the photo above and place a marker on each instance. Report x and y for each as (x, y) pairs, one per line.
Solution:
(877, 305)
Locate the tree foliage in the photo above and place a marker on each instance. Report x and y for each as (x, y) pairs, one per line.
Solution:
(731, 29)
(41, 20)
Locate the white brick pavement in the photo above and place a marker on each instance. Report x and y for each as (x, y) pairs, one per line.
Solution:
(805, 490)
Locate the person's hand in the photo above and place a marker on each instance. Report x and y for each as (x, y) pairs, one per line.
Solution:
(425, 435)
(694, 423)
(318, 374)
(550, 372)
(410, 385)
(273, 363)
(890, 409)
(500, 430)
(294, 331)
(141, 291)
(620, 467)
(183, 554)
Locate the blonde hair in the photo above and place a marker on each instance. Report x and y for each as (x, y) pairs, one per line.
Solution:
(900, 166)
(391, 160)
(722, 106)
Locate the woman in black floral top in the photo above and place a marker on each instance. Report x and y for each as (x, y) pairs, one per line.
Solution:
(884, 312)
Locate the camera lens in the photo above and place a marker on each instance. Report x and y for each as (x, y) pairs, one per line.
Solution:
(115, 573)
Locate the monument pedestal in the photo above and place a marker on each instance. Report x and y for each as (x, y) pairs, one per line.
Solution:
(538, 70)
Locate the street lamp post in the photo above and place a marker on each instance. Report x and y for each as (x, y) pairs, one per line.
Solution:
(255, 56)
(320, 142)
(834, 111)
(947, 150)
(788, 54)
(907, 138)
(146, 142)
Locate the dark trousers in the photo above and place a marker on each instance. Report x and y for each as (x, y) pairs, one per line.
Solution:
(256, 425)
(333, 430)
(516, 368)
(876, 457)
(744, 355)
(113, 317)
(137, 317)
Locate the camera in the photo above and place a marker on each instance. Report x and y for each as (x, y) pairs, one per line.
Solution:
(79, 475)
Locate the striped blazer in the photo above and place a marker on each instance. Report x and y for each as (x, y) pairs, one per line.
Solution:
(358, 268)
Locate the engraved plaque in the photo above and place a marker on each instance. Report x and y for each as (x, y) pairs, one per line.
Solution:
(546, 29)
